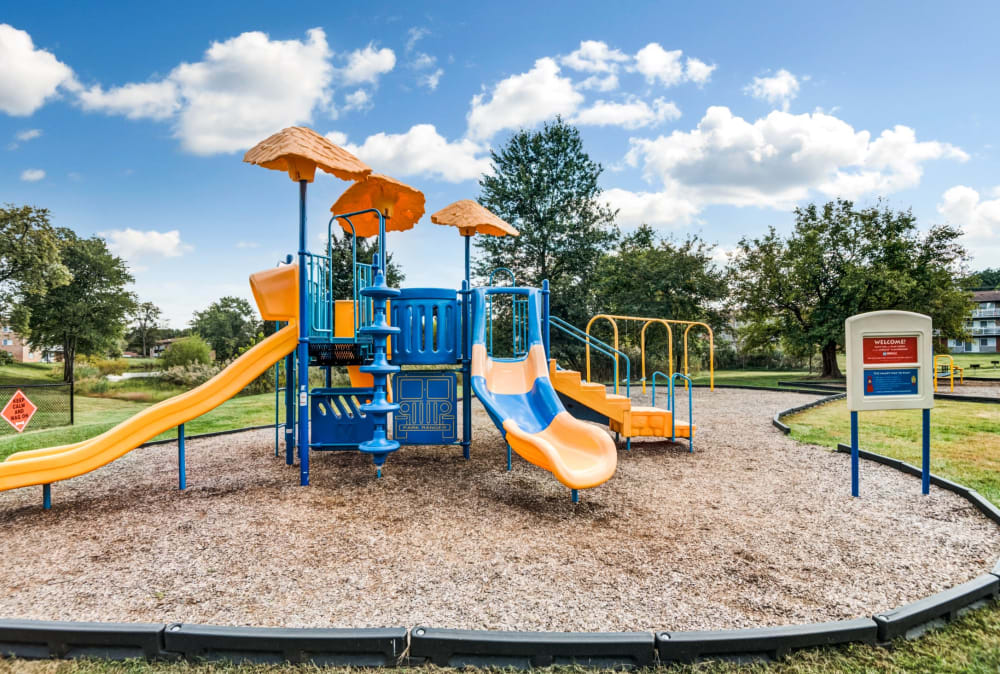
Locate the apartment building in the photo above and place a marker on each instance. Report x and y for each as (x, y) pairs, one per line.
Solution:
(983, 325)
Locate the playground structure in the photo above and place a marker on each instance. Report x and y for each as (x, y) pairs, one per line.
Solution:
(438, 333)
(947, 369)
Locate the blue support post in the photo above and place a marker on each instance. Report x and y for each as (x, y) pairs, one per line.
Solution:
(290, 409)
(466, 362)
(181, 467)
(510, 467)
(576, 496)
(302, 351)
(47, 496)
(926, 472)
(854, 455)
(545, 318)
(379, 408)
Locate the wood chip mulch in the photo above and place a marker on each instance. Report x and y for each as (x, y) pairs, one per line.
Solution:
(752, 529)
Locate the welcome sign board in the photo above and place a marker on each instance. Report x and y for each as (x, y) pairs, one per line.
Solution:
(889, 364)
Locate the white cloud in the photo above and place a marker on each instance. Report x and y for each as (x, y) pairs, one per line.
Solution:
(698, 71)
(980, 220)
(652, 208)
(659, 65)
(632, 114)
(337, 138)
(431, 80)
(247, 244)
(244, 89)
(146, 100)
(781, 88)
(28, 134)
(413, 36)
(32, 175)
(423, 151)
(593, 56)
(132, 243)
(28, 76)
(422, 61)
(364, 66)
(776, 161)
(358, 100)
(523, 100)
(607, 82)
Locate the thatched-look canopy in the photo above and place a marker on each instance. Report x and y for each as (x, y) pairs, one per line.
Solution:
(471, 218)
(402, 205)
(299, 151)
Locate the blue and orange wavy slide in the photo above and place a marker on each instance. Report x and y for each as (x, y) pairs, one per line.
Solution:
(520, 399)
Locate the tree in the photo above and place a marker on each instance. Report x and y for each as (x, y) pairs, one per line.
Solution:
(840, 261)
(341, 259)
(545, 185)
(88, 315)
(228, 325)
(186, 351)
(29, 260)
(145, 318)
(651, 276)
(987, 278)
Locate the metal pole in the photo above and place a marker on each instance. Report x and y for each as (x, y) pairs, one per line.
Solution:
(47, 496)
(303, 346)
(290, 408)
(545, 318)
(926, 473)
(181, 467)
(854, 455)
(72, 402)
(466, 364)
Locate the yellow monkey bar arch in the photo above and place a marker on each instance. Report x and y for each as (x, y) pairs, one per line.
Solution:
(665, 322)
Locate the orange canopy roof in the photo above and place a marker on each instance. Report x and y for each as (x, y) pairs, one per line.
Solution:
(402, 205)
(300, 150)
(471, 218)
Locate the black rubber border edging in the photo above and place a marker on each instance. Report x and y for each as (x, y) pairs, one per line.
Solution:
(776, 420)
(383, 647)
(476, 648)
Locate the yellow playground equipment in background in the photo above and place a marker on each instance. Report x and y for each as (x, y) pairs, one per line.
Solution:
(948, 369)
(665, 322)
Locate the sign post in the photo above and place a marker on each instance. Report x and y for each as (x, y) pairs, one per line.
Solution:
(889, 367)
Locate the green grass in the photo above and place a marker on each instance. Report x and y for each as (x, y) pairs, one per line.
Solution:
(965, 438)
(765, 378)
(96, 415)
(30, 373)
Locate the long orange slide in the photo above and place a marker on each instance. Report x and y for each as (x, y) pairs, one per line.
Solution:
(276, 292)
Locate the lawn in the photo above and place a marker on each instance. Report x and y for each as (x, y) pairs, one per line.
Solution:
(30, 373)
(96, 415)
(764, 378)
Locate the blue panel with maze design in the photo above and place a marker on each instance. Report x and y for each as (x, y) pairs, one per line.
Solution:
(428, 402)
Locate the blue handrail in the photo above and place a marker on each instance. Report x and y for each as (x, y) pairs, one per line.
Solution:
(673, 407)
(602, 347)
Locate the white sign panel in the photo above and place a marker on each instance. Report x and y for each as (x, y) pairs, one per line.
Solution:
(889, 362)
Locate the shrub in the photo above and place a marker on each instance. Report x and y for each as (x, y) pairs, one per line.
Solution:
(116, 366)
(190, 375)
(185, 351)
(6, 358)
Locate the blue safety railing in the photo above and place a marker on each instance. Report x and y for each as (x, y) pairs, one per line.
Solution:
(519, 311)
(600, 347)
(320, 285)
(673, 408)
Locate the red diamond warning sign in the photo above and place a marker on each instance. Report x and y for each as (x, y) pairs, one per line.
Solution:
(18, 411)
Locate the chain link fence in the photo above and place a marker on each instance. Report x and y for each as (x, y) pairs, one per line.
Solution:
(54, 403)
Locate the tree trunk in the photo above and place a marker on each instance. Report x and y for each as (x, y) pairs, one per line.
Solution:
(69, 359)
(831, 370)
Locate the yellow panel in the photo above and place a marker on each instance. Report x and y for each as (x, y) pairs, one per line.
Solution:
(343, 318)
(277, 292)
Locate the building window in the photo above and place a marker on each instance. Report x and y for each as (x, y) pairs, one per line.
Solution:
(8, 342)
(983, 341)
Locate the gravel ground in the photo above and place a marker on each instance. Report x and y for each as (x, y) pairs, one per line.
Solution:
(982, 389)
(751, 529)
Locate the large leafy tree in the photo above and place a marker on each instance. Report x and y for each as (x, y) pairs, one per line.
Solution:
(145, 321)
(341, 260)
(89, 315)
(30, 263)
(651, 276)
(839, 261)
(228, 324)
(545, 185)
(987, 278)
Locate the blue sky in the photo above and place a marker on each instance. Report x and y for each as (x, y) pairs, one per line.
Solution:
(131, 120)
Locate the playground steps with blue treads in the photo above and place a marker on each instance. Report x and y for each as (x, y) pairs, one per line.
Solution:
(631, 421)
